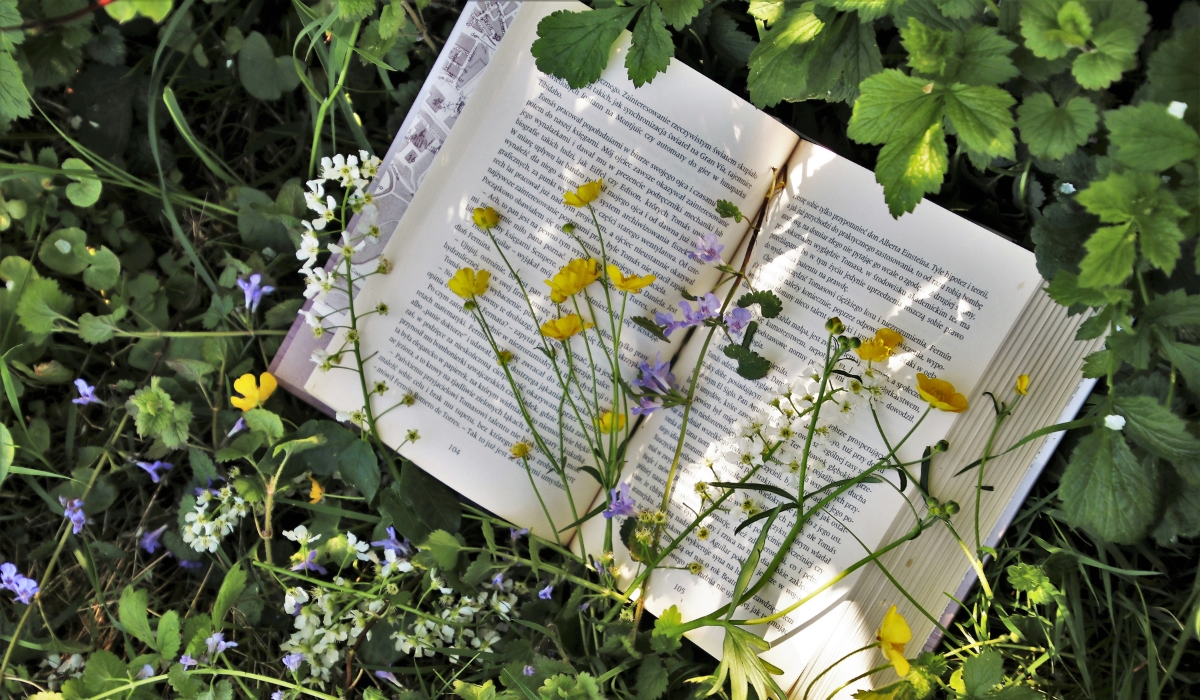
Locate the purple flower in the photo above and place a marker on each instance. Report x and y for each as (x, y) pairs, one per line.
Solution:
(187, 661)
(277, 695)
(645, 406)
(87, 394)
(598, 566)
(190, 564)
(25, 590)
(23, 587)
(667, 321)
(708, 248)
(737, 320)
(146, 672)
(152, 468)
(547, 592)
(217, 644)
(73, 511)
(238, 427)
(253, 289)
(656, 377)
(309, 564)
(584, 606)
(498, 580)
(402, 548)
(387, 676)
(707, 306)
(529, 671)
(292, 661)
(9, 575)
(620, 503)
(516, 534)
(149, 540)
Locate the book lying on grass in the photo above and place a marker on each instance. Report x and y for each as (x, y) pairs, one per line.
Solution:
(967, 302)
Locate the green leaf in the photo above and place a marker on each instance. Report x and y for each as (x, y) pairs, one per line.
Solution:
(444, 547)
(978, 56)
(1173, 309)
(471, 691)
(1158, 430)
(1120, 27)
(868, 10)
(105, 671)
(1150, 212)
(1031, 580)
(434, 503)
(42, 304)
(167, 638)
(7, 452)
(1174, 70)
(727, 209)
(1186, 359)
(680, 13)
(1052, 131)
(1110, 254)
(1053, 28)
(263, 74)
(911, 166)
(358, 465)
(770, 304)
(649, 326)
(1107, 491)
(768, 11)
(1148, 138)
(894, 105)
(57, 252)
(14, 97)
(156, 10)
(1181, 515)
(99, 329)
(983, 672)
(651, 678)
(1097, 364)
(959, 9)
(392, 19)
(575, 45)
(1059, 235)
(183, 682)
(231, 588)
(354, 10)
(132, 613)
(157, 416)
(260, 420)
(779, 59)
(731, 43)
(652, 48)
(983, 119)
(85, 191)
(104, 267)
(10, 16)
(750, 365)
(393, 504)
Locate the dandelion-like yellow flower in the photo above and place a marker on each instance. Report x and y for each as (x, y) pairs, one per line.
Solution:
(880, 347)
(893, 635)
(485, 217)
(610, 422)
(468, 283)
(632, 284)
(316, 493)
(572, 278)
(940, 394)
(565, 327)
(253, 394)
(1022, 386)
(586, 193)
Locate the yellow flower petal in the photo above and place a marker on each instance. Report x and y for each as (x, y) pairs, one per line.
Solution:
(253, 394)
(572, 278)
(1022, 386)
(485, 217)
(468, 283)
(632, 284)
(316, 493)
(894, 634)
(608, 422)
(880, 347)
(565, 327)
(585, 194)
(940, 394)
(266, 387)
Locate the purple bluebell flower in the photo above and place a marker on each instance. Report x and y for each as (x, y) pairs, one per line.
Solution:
(309, 564)
(709, 305)
(146, 672)
(277, 695)
(656, 377)
(547, 592)
(598, 566)
(9, 575)
(516, 534)
(708, 248)
(238, 427)
(529, 670)
(254, 289)
(737, 320)
(87, 394)
(149, 540)
(190, 564)
(402, 548)
(387, 676)
(217, 644)
(667, 321)
(188, 661)
(152, 468)
(498, 580)
(73, 511)
(620, 502)
(292, 660)
(645, 406)
(22, 586)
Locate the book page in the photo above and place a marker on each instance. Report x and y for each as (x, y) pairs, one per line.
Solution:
(830, 248)
(667, 152)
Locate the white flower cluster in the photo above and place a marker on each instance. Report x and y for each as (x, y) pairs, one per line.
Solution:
(217, 513)
(473, 623)
(325, 628)
(346, 171)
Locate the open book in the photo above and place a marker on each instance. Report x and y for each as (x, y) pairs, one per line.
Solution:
(967, 302)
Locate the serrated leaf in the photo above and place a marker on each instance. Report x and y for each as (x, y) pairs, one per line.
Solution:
(358, 465)
(41, 305)
(730, 43)
(867, 10)
(1106, 490)
(894, 105)
(7, 452)
(157, 416)
(750, 365)
(354, 10)
(680, 13)
(1174, 70)
(770, 304)
(99, 329)
(444, 547)
(778, 59)
(982, 118)
(909, 167)
(651, 678)
(1032, 580)
(1120, 27)
(267, 423)
(85, 191)
(263, 74)
(837, 61)
(1097, 364)
(651, 49)
(1146, 210)
(1148, 138)
(14, 97)
(768, 11)
(167, 638)
(105, 671)
(575, 45)
(131, 611)
(1053, 28)
(432, 501)
(978, 56)
(231, 588)
(982, 672)
(650, 327)
(1158, 430)
(1052, 131)
(1058, 237)
(392, 19)
(1110, 254)
(728, 210)
(959, 9)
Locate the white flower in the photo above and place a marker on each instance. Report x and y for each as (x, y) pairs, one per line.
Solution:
(293, 599)
(312, 198)
(359, 548)
(311, 318)
(1066, 188)
(1114, 422)
(300, 535)
(318, 281)
(367, 223)
(342, 168)
(369, 164)
(323, 360)
(309, 248)
(1176, 109)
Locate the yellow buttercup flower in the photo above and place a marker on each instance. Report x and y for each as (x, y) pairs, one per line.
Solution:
(880, 347)
(940, 394)
(572, 278)
(586, 193)
(565, 327)
(485, 217)
(253, 394)
(468, 283)
(520, 450)
(610, 422)
(316, 493)
(1022, 386)
(893, 635)
(632, 284)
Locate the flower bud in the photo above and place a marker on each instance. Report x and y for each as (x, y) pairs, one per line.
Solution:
(856, 343)
(835, 326)
(941, 446)
(568, 227)
(485, 217)
(952, 508)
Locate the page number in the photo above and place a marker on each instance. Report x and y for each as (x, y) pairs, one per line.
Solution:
(454, 449)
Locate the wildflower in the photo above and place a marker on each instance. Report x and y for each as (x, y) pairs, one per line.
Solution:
(645, 406)
(187, 661)
(498, 580)
(238, 427)
(485, 217)
(387, 676)
(217, 644)
(940, 394)
(253, 289)
(468, 283)
(563, 328)
(359, 548)
(695, 568)
(190, 564)
(529, 671)
(880, 347)
(292, 661)
(146, 672)
(1114, 422)
(315, 492)
(505, 357)
(656, 377)
(300, 536)
(620, 503)
(835, 326)
(152, 468)
(608, 422)
(23, 587)
(293, 599)
(277, 695)
(1022, 386)
(516, 534)
(253, 394)
(1066, 188)
(87, 394)
(737, 320)
(584, 195)
(325, 212)
(632, 284)
(309, 248)
(667, 322)
(707, 306)
(149, 540)
(73, 511)
(368, 164)
(344, 169)
(316, 190)
(893, 635)
(708, 249)
(1177, 109)
(572, 278)
(309, 563)
(520, 450)
(547, 592)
